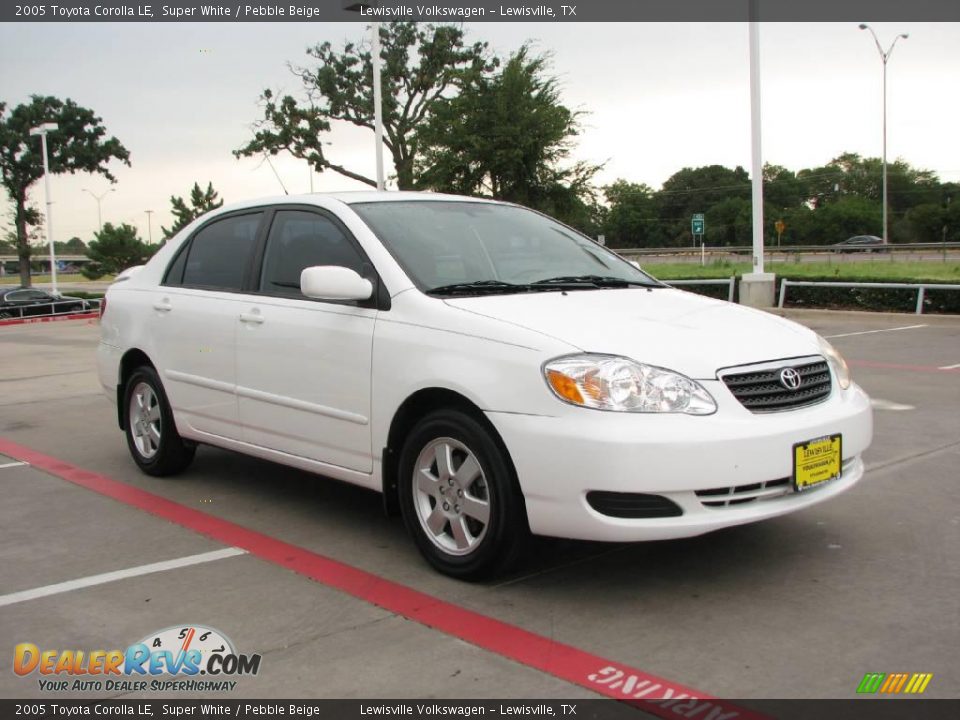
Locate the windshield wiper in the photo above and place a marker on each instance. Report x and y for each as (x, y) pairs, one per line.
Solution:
(478, 286)
(601, 281)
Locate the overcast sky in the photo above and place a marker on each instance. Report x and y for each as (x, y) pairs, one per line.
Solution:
(659, 96)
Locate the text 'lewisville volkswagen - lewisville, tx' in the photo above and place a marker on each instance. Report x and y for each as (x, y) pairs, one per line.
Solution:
(492, 371)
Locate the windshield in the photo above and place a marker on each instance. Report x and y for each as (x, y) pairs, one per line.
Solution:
(486, 247)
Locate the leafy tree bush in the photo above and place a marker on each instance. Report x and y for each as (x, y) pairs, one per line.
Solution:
(78, 145)
(201, 201)
(115, 249)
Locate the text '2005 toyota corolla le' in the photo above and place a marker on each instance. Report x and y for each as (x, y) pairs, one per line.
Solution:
(490, 370)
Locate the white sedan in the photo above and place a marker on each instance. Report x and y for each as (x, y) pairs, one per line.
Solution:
(490, 370)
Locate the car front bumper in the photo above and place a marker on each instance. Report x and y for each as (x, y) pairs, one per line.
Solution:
(559, 459)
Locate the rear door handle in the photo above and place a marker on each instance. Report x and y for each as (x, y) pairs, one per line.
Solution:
(252, 317)
(163, 306)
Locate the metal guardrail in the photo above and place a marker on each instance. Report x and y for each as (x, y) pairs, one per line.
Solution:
(42, 310)
(921, 288)
(789, 249)
(731, 282)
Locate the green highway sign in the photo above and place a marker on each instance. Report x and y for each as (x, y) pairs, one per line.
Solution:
(697, 224)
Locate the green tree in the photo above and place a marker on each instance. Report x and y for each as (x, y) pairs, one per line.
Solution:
(423, 65)
(697, 190)
(8, 242)
(509, 136)
(782, 188)
(78, 145)
(729, 222)
(201, 201)
(927, 222)
(114, 249)
(845, 218)
(73, 246)
(631, 219)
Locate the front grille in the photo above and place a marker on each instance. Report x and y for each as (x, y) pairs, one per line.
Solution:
(755, 492)
(742, 494)
(632, 505)
(760, 390)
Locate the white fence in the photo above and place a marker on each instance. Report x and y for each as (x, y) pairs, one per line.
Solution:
(731, 282)
(46, 310)
(921, 288)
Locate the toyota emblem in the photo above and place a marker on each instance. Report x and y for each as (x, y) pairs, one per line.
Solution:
(790, 379)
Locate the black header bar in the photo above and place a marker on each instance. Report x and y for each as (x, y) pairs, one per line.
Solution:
(478, 10)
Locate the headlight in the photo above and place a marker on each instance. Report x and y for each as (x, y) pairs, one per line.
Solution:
(608, 382)
(837, 362)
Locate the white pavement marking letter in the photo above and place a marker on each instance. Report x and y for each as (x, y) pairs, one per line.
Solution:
(869, 332)
(92, 580)
(13, 464)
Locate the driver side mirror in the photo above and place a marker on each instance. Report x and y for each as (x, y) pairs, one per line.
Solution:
(332, 282)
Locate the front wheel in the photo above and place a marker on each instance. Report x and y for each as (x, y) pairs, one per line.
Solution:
(458, 496)
(152, 435)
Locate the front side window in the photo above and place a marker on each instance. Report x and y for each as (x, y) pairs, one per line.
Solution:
(441, 244)
(300, 239)
(220, 253)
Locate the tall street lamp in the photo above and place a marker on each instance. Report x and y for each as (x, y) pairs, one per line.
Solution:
(149, 226)
(42, 131)
(885, 57)
(358, 6)
(98, 198)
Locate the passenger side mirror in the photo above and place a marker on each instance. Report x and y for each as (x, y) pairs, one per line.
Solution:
(332, 282)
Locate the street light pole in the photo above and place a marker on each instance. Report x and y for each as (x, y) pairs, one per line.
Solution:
(377, 101)
(884, 57)
(149, 226)
(42, 131)
(359, 6)
(98, 198)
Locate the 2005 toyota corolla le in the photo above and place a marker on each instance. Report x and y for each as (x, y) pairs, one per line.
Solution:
(490, 370)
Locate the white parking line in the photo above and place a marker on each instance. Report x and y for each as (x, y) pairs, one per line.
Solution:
(13, 464)
(950, 367)
(881, 404)
(869, 332)
(91, 580)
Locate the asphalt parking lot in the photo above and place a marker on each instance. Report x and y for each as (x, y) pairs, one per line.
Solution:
(797, 607)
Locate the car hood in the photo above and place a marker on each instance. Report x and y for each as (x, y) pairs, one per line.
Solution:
(669, 328)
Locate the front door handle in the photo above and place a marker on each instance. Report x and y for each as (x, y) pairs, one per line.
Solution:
(163, 306)
(252, 317)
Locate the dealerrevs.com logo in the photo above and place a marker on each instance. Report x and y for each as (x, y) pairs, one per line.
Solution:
(189, 658)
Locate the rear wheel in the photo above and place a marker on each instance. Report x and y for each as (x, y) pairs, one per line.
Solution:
(458, 496)
(152, 436)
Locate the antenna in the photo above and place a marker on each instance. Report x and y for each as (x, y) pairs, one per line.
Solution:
(276, 174)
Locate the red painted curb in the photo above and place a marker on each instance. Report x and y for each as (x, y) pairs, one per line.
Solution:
(605, 677)
(49, 318)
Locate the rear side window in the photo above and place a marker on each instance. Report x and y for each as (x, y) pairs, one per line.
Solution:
(219, 254)
(26, 296)
(299, 240)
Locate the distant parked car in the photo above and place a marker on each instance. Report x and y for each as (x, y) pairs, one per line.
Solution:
(861, 243)
(28, 302)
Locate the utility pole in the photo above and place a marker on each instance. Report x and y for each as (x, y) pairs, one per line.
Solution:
(149, 226)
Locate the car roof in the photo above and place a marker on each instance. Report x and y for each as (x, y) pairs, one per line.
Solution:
(351, 198)
(366, 196)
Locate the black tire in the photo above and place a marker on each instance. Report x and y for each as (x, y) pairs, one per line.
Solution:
(501, 540)
(170, 454)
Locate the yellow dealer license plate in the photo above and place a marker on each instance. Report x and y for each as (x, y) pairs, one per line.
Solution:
(817, 461)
